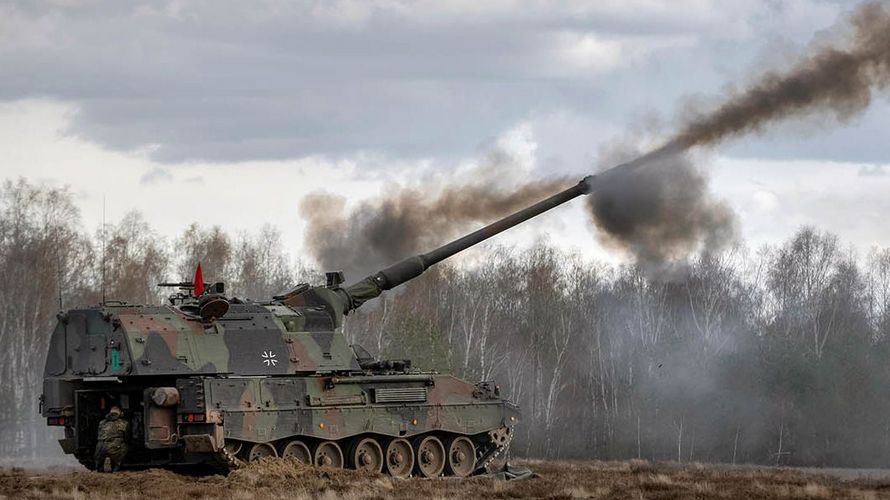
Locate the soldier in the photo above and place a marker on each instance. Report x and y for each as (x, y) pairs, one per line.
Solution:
(112, 440)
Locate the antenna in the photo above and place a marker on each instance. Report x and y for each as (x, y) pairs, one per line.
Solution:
(104, 249)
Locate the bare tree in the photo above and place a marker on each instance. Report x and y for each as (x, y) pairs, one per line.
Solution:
(798, 280)
(211, 247)
(879, 291)
(132, 261)
(43, 266)
(260, 265)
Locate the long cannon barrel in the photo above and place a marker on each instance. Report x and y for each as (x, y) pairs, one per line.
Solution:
(412, 267)
(353, 296)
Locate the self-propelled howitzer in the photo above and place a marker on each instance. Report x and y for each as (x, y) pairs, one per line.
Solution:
(207, 379)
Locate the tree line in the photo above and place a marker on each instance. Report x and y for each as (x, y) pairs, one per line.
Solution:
(774, 356)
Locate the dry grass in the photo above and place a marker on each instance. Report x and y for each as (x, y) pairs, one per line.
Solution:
(280, 479)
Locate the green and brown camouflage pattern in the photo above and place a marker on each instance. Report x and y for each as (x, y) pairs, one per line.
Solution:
(112, 441)
(263, 373)
(264, 410)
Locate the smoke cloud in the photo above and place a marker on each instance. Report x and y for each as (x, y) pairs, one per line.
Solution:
(407, 221)
(836, 79)
(658, 207)
(660, 212)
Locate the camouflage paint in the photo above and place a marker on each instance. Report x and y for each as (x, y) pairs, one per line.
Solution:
(263, 373)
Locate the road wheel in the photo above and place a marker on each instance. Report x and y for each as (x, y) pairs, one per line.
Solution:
(234, 447)
(367, 455)
(399, 458)
(261, 450)
(297, 449)
(430, 456)
(328, 454)
(461, 457)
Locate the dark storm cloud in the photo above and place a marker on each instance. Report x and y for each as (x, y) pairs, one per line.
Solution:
(271, 80)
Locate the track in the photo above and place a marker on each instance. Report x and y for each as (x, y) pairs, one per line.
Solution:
(428, 455)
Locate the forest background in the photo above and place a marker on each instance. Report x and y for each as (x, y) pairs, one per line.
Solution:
(775, 355)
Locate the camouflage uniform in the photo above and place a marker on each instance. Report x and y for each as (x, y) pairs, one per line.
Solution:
(112, 440)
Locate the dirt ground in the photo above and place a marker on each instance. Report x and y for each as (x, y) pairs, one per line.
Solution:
(289, 479)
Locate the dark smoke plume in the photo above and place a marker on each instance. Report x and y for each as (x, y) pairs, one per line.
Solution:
(380, 232)
(661, 213)
(658, 206)
(839, 80)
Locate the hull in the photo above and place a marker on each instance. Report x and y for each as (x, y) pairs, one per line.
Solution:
(361, 422)
(265, 380)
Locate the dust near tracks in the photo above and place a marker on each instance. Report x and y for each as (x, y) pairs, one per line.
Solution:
(289, 479)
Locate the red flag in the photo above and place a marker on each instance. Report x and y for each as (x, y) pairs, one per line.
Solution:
(199, 281)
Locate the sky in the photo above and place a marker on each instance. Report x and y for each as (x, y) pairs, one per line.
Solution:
(229, 113)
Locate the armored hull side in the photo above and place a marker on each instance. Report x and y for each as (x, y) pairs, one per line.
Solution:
(337, 413)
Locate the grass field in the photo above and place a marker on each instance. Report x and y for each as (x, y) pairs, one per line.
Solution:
(289, 479)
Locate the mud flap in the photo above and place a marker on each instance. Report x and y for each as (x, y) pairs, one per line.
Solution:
(510, 473)
(200, 443)
(69, 445)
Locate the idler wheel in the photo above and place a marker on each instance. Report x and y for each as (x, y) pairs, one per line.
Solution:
(328, 454)
(461, 457)
(234, 447)
(430, 456)
(298, 450)
(367, 455)
(261, 450)
(399, 458)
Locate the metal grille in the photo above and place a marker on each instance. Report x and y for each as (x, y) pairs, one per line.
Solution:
(400, 394)
(345, 399)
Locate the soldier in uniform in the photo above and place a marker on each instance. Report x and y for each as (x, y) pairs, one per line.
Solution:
(112, 440)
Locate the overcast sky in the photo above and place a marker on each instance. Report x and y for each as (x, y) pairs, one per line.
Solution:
(252, 105)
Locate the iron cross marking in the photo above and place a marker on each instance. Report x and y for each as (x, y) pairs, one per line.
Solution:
(269, 358)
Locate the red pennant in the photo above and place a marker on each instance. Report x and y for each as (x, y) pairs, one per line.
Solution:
(199, 281)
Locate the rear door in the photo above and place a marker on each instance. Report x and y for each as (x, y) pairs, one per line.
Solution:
(86, 332)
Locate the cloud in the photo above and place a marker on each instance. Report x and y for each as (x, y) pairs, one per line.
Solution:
(156, 175)
(765, 201)
(830, 195)
(226, 81)
(873, 171)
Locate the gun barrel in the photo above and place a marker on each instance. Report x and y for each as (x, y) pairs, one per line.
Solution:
(412, 267)
(480, 235)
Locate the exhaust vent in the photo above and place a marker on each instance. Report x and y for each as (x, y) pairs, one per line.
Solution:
(400, 395)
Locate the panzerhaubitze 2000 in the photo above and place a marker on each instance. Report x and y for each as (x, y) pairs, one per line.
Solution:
(207, 379)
